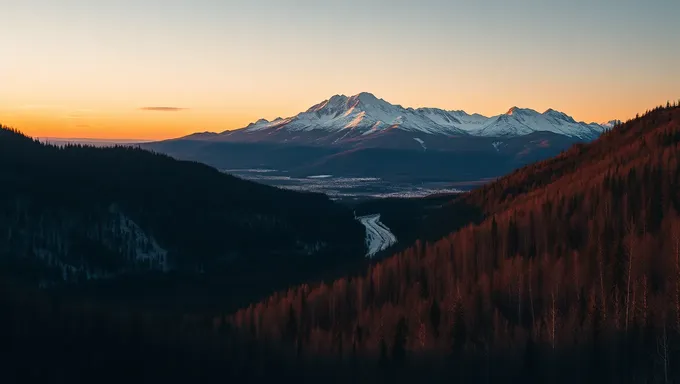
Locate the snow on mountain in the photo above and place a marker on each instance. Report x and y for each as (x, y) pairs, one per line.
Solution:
(523, 121)
(609, 124)
(364, 114)
(515, 122)
(470, 123)
(421, 142)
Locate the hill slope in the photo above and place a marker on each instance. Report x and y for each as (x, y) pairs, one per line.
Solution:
(79, 213)
(573, 275)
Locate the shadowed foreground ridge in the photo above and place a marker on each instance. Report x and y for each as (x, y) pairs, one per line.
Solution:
(78, 214)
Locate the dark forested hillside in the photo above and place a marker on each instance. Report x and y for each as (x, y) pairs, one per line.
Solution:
(79, 213)
(573, 276)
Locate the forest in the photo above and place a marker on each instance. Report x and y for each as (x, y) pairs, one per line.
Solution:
(569, 272)
(573, 274)
(71, 212)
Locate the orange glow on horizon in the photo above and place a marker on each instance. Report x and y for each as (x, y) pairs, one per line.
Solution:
(157, 123)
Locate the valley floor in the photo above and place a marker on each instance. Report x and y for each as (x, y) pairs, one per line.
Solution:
(345, 188)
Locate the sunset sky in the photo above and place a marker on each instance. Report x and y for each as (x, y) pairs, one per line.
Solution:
(96, 68)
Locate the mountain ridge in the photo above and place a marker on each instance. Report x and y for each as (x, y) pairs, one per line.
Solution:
(369, 115)
(348, 136)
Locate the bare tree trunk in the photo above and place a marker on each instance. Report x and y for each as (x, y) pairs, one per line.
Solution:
(519, 295)
(422, 336)
(617, 308)
(633, 306)
(662, 352)
(631, 254)
(531, 296)
(645, 305)
(553, 315)
(603, 297)
(676, 237)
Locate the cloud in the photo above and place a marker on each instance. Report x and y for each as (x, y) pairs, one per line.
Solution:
(163, 109)
(39, 106)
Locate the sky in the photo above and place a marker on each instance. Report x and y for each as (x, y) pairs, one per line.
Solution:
(154, 69)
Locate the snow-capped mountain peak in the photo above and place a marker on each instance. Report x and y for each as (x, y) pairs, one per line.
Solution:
(557, 115)
(523, 121)
(366, 98)
(364, 114)
(520, 111)
(552, 112)
(610, 124)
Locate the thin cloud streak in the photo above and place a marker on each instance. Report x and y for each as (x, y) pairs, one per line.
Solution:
(163, 109)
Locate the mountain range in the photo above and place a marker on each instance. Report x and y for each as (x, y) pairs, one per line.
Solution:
(344, 119)
(364, 136)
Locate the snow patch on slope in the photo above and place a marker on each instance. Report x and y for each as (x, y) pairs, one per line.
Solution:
(146, 251)
(422, 143)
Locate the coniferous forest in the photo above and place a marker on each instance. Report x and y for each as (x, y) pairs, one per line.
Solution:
(573, 275)
(96, 216)
(568, 270)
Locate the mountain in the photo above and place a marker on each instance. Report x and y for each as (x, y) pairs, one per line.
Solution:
(364, 136)
(519, 122)
(397, 158)
(573, 271)
(361, 114)
(343, 120)
(79, 214)
(611, 124)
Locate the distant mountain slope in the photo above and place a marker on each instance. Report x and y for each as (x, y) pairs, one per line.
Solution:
(395, 155)
(77, 213)
(337, 137)
(341, 119)
(519, 122)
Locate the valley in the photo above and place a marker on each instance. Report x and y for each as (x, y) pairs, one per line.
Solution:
(353, 189)
(354, 277)
(332, 192)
